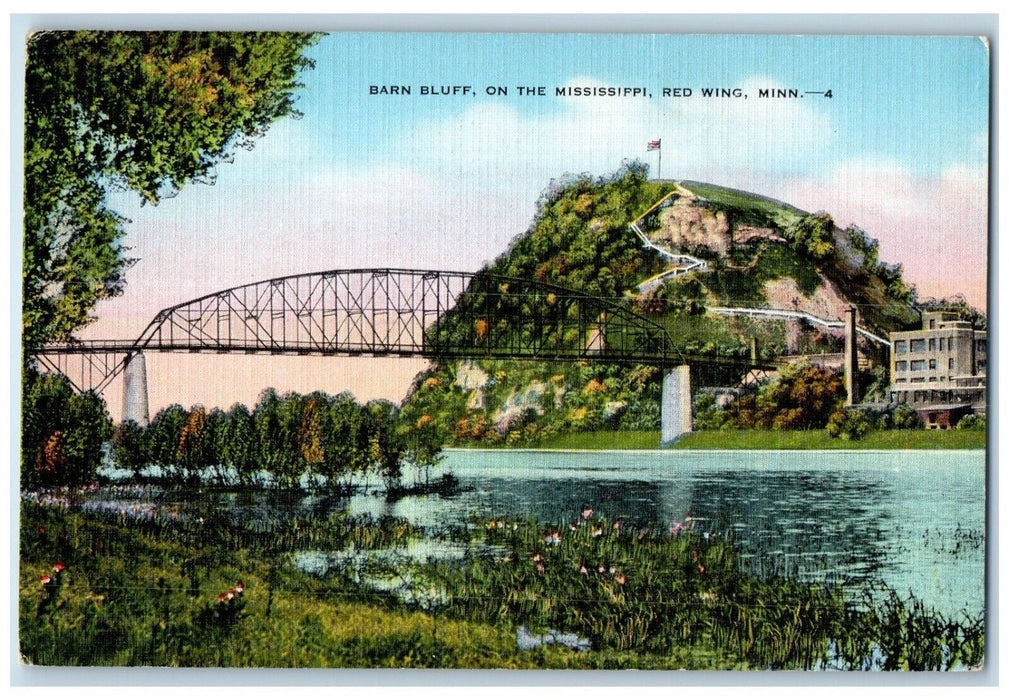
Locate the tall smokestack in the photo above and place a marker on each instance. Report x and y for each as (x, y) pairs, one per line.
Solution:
(851, 358)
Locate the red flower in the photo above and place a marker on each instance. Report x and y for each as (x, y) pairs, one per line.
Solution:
(45, 579)
(701, 568)
(621, 579)
(58, 567)
(42, 529)
(223, 597)
(239, 587)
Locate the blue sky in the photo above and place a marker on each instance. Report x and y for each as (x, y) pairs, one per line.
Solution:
(919, 100)
(447, 182)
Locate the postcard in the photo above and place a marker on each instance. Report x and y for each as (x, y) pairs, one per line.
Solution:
(504, 351)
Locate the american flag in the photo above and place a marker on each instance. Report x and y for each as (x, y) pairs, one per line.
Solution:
(655, 145)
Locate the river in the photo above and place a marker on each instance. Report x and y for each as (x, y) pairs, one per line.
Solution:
(914, 520)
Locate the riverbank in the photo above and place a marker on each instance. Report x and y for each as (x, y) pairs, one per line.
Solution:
(771, 440)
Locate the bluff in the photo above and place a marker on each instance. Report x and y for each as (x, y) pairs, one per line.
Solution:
(756, 252)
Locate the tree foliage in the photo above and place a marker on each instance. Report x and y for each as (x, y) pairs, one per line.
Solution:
(959, 305)
(291, 437)
(147, 111)
(814, 236)
(61, 432)
(803, 397)
(580, 237)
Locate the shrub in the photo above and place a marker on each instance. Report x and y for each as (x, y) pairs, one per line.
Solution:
(848, 424)
(707, 414)
(905, 418)
(974, 421)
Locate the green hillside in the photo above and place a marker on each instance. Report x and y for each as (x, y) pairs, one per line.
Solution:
(759, 252)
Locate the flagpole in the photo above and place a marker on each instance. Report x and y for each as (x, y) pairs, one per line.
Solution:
(656, 145)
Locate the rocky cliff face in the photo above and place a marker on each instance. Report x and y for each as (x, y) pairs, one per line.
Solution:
(744, 234)
(687, 224)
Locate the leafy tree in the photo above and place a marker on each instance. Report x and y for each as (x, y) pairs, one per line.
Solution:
(192, 439)
(129, 446)
(238, 442)
(147, 111)
(422, 444)
(814, 236)
(61, 432)
(310, 438)
(707, 414)
(803, 397)
(385, 445)
(906, 418)
(163, 435)
(347, 439)
(958, 304)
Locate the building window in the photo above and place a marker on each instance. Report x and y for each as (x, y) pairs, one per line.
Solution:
(918, 345)
(949, 345)
(952, 364)
(931, 323)
(901, 366)
(931, 364)
(942, 344)
(900, 346)
(900, 380)
(917, 365)
(931, 379)
(982, 345)
(931, 344)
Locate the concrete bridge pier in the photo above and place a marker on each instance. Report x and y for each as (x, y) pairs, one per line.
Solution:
(677, 409)
(135, 404)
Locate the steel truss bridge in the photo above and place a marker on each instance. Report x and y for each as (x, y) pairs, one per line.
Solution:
(389, 312)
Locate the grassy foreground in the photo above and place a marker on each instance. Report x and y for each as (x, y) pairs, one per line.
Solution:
(773, 440)
(149, 593)
(112, 589)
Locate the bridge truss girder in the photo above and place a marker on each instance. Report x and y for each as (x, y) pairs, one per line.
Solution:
(434, 314)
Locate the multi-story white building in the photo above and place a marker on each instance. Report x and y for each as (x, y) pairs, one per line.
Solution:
(946, 362)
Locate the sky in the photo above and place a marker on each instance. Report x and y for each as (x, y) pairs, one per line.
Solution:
(900, 149)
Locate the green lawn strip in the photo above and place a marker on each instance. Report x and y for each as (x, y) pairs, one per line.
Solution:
(772, 440)
(604, 440)
(820, 440)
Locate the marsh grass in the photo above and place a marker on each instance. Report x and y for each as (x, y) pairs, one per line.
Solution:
(146, 591)
(650, 592)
